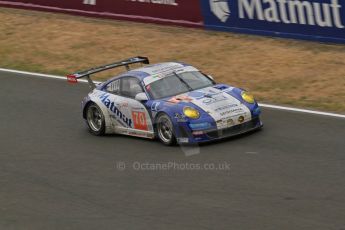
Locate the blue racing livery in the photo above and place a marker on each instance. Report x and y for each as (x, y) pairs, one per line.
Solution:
(172, 101)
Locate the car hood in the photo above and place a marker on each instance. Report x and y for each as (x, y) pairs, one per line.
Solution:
(224, 108)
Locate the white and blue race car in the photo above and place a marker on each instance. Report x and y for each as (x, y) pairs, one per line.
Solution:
(172, 101)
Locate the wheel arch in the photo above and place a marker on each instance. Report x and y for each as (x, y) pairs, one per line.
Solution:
(154, 120)
(169, 114)
(85, 107)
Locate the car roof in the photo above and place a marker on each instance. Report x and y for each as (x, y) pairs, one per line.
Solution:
(148, 71)
(155, 69)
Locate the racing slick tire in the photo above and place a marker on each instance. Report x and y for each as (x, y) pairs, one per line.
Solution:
(95, 119)
(165, 130)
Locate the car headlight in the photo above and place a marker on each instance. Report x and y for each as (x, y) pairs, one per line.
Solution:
(247, 97)
(191, 112)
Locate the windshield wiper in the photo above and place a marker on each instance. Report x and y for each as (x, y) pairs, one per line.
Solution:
(183, 81)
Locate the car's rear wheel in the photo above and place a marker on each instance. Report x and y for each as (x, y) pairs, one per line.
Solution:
(95, 119)
(165, 130)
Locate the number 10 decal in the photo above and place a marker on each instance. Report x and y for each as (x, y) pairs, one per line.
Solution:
(139, 120)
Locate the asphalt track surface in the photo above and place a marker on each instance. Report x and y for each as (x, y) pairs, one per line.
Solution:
(55, 175)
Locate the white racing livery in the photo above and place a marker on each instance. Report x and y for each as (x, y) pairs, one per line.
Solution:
(173, 101)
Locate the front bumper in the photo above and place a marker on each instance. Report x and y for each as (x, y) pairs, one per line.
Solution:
(217, 134)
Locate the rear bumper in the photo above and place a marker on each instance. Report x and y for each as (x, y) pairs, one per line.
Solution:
(218, 134)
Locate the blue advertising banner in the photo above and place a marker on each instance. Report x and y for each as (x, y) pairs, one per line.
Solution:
(320, 20)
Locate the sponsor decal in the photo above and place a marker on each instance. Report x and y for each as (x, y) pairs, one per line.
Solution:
(221, 87)
(160, 69)
(180, 117)
(211, 91)
(150, 135)
(124, 104)
(210, 99)
(235, 111)
(228, 90)
(155, 106)
(89, 2)
(327, 13)
(159, 2)
(114, 86)
(138, 108)
(117, 114)
(200, 126)
(221, 9)
(293, 12)
(225, 107)
(322, 20)
(183, 139)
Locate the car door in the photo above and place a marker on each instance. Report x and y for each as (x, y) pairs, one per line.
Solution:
(117, 108)
(135, 111)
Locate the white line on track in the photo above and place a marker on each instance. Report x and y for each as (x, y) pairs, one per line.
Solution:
(301, 110)
(261, 104)
(39, 74)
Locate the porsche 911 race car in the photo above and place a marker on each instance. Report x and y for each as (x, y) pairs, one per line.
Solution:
(172, 101)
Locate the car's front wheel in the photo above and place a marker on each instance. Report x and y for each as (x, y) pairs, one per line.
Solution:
(165, 131)
(95, 119)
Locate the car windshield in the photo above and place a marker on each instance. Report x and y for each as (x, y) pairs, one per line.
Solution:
(175, 84)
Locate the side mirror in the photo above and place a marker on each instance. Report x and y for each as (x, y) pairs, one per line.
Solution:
(141, 97)
(210, 77)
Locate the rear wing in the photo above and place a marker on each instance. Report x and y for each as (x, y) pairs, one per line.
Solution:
(73, 78)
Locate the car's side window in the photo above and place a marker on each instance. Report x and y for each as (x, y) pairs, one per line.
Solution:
(114, 87)
(130, 87)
